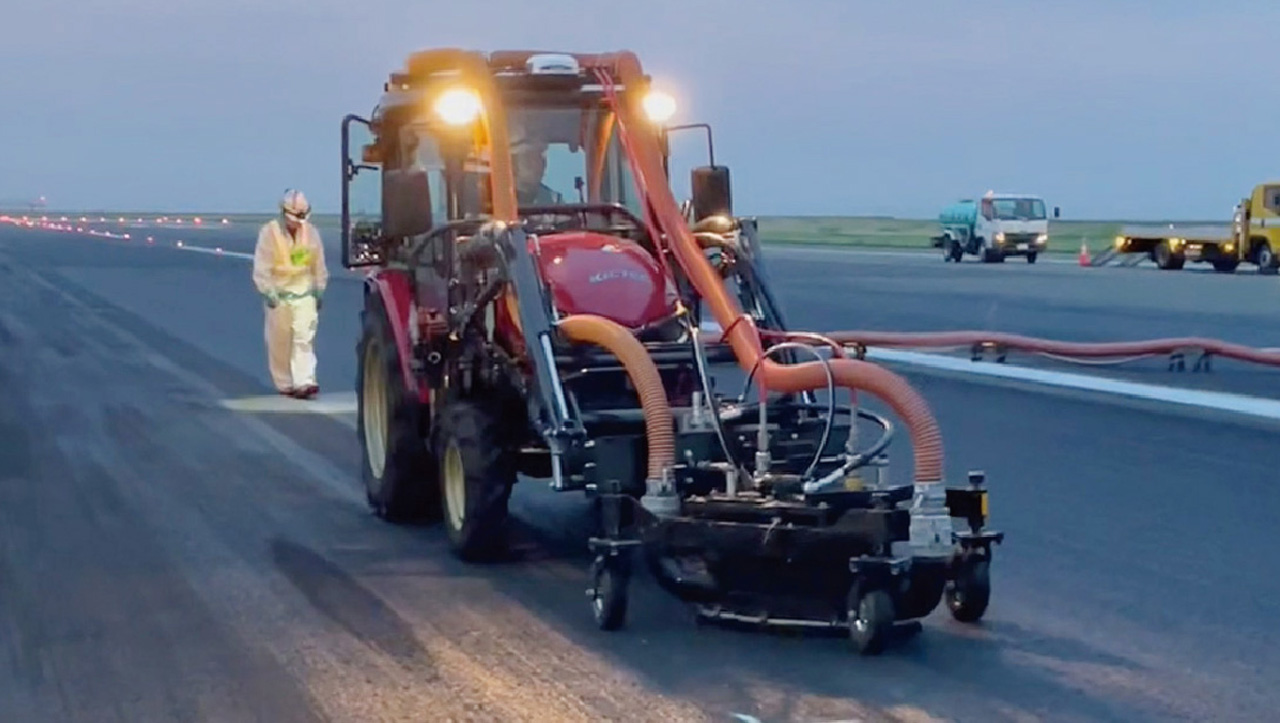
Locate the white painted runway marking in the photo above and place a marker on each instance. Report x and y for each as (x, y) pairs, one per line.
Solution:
(327, 404)
(924, 255)
(218, 252)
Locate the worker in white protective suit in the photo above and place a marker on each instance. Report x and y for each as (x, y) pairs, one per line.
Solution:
(289, 271)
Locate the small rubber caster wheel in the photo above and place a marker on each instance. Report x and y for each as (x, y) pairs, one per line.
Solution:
(610, 576)
(970, 591)
(871, 618)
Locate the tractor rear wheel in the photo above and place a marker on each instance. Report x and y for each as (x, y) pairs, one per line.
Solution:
(397, 469)
(478, 467)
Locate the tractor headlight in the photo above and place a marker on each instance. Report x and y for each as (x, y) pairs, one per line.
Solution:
(457, 107)
(659, 106)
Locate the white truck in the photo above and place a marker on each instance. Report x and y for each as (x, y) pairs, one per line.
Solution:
(996, 226)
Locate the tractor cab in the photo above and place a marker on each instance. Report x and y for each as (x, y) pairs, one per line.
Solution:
(533, 139)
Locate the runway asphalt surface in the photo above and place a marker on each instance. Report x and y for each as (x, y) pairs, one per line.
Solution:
(176, 544)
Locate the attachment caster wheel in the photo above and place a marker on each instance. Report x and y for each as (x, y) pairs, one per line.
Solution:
(610, 576)
(970, 591)
(871, 619)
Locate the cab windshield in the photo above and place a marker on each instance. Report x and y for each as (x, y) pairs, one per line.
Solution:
(566, 155)
(1018, 209)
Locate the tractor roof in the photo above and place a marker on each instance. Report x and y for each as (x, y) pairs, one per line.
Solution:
(435, 64)
(520, 76)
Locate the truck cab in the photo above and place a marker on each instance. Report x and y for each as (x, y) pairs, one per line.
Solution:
(995, 226)
(1256, 228)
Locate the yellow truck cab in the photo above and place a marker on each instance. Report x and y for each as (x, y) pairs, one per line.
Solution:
(1253, 236)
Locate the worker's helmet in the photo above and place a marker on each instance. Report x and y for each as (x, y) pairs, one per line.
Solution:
(294, 206)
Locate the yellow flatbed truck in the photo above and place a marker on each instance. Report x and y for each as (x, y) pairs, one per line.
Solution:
(1253, 236)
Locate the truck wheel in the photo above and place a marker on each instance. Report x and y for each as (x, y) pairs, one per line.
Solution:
(957, 251)
(1031, 257)
(1267, 261)
(396, 465)
(1225, 266)
(477, 471)
(1166, 259)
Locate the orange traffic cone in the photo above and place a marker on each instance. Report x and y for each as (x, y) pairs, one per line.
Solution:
(1084, 255)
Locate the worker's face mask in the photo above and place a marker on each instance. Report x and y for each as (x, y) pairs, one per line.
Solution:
(294, 221)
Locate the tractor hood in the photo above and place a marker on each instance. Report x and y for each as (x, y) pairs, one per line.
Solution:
(594, 273)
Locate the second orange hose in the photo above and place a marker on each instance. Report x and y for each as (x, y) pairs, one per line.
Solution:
(658, 422)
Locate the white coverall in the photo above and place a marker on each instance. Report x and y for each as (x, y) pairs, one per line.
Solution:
(289, 271)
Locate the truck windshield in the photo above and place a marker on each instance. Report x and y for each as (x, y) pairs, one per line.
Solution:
(1018, 209)
(566, 155)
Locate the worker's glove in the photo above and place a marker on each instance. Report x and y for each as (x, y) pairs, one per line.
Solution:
(272, 299)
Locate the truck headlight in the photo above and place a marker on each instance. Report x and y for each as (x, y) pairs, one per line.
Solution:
(1000, 237)
(1042, 238)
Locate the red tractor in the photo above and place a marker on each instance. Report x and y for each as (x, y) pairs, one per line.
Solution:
(539, 305)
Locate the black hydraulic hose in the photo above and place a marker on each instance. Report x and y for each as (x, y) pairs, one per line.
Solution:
(831, 392)
(704, 376)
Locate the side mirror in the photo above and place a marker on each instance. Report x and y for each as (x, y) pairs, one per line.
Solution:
(1057, 212)
(711, 192)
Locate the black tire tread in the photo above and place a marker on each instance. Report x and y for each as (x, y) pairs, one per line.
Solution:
(969, 595)
(408, 491)
(489, 464)
(882, 622)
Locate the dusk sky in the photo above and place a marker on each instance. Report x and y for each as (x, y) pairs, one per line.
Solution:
(1137, 109)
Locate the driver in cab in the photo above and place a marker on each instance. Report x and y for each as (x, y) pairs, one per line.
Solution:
(529, 163)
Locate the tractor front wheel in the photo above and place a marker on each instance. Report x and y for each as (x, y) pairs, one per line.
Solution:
(477, 470)
(397, 469)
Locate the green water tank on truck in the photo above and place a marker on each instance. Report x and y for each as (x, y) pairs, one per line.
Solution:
(993, 227)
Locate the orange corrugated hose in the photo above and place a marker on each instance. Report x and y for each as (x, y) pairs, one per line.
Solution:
(741, 333)
(591, 329)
